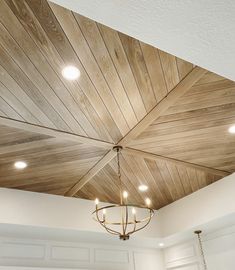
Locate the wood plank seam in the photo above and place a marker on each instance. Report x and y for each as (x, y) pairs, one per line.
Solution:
(53, 132)
(91, 173)
(136, 152)
(182, 87)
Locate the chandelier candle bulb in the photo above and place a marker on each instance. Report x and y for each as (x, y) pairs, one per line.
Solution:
(104, 213)
(125, 194)
(126, 224)
(134, 214)
(147, 201)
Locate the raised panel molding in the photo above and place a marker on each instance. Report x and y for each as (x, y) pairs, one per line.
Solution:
(111, 256)
(21, 251)
(70, 253)
(30, 254)
(182, 255)
(189, 267)
(147, 261)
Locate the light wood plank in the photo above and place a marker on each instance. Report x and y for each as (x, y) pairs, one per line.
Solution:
(170, 69)
(164, 104)
(91, 173)
(53, 132)
(119, 58)
(153, 64)
(139, 69)
(147, 155)
(95, 41)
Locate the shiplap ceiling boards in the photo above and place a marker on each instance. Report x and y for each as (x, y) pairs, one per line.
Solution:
(170, 116)
(201, 32)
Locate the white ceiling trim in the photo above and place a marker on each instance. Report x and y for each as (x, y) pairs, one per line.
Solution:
(201, 32)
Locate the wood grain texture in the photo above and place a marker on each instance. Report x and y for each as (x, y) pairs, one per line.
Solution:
(167, 181)
(92, 172)
(53, 132)
(135, 152)
(195, 128)
(165, 103)
(53, 164)
(172, 116)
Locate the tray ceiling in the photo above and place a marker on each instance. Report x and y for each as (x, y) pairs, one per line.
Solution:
(170, 116)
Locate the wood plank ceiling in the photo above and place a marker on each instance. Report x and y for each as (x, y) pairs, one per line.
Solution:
(171, 117)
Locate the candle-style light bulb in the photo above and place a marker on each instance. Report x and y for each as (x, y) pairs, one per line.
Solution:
(148, 202)
(134, 213)
(104, 213)
(96, 201)
(125, 194)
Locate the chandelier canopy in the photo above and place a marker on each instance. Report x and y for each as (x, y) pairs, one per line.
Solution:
(123, 219)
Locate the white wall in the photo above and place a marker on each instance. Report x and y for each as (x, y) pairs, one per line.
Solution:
(209, 209)
(37, 209)
(219, 252)
(211, 203)
(46, 254)
(201, 32)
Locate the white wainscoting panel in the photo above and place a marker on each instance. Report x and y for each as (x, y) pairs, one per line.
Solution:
(181, 255)
(46, 254)
(111, 256)
(22, 251)
(219, 249)
(148, 261)
(70, 253)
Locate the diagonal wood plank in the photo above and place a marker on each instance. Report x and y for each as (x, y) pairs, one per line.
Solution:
(181, 88)
(135, 152)
(53, 132)
(91, 173)
(26, 146)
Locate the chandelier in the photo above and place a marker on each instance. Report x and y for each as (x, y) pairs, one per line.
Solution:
(123, 219)
(198, 233)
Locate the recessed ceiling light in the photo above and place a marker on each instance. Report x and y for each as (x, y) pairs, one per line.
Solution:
(161, 244)
(232, 129)
(20, 164)
(71, 73)
(143, 187)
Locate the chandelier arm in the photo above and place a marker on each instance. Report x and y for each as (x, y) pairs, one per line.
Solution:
(120, 223)
(97, 216)
(126, 219)
(149, 219)
(134, 227)
(103, 224)
(110, 230)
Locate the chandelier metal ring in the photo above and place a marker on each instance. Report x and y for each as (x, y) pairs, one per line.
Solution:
(127, 223)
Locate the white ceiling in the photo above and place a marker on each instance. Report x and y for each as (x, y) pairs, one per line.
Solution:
(201, 32)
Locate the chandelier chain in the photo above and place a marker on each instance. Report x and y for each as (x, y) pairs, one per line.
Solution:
(119, 175)
(201, 250)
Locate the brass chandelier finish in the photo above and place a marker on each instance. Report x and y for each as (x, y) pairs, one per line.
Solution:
(198, 233)
(123, 220)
